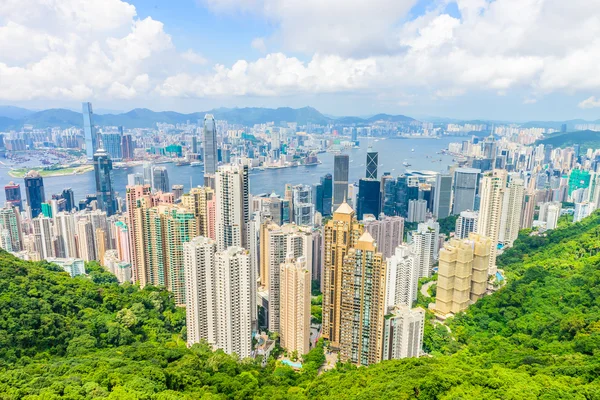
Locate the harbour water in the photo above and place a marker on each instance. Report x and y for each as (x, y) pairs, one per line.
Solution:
(392, 154)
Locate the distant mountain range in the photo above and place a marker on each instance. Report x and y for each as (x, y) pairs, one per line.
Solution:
(15, 117)
(12, 118)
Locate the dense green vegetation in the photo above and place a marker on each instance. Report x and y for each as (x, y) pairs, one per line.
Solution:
(586, 140)
(536, 338)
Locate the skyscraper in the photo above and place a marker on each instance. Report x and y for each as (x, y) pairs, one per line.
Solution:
(402, 278)
(425, 241)
(369, 198)
(219, 296)
(372, 162)
(341, 233)
(139, 200)
(13, 195)
(127, 147)
(362, 303)
(200, 278)
(317, 195)
(303, 206)
(160, 179)
(493, 185)
(111, 142)
(69, 197)
(201, 201)
(89, 131)
(66, 228)
(528, 210)
(210, 147)
(443, 196)
(34, 191)
(417, 210)
(104, 190)
(85, 240)
(388, 232)
(161, 231)
(403, 333)
(327, 182)
(232, 211)
(277, 245)
(465, 224)
(295, 285)
(465, 189)
(148, 174)
(135, 179)
(177, 191)
(512, 206)
(10, 226)
(341, 165)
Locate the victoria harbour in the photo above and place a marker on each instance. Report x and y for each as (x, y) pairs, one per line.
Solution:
(392, 154)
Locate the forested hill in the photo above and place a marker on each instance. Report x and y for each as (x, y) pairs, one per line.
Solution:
(84, 338)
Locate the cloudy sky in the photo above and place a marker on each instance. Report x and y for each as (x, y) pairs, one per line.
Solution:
(502, 59)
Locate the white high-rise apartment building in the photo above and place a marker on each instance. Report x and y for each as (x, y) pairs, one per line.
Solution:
(280, 243)
(417, 210)
(66, 228)
(492, 190)
(465, 224)
(552, 214)
(582, 210)
(199, 264)
(295, 305)
(402, 278)
(233, 299)
(403, 333)
(232, 211)
(512, 206)
(219, 296)
(426, 246)
(44, 236)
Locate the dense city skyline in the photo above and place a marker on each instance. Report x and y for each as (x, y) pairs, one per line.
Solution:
(298, 251)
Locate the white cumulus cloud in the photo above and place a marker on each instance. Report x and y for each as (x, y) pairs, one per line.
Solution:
(86, 49)
(590, 102)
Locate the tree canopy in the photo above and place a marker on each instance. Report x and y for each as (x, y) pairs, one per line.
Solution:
(538, 337)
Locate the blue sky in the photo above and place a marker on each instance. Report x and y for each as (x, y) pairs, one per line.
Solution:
(502, 59)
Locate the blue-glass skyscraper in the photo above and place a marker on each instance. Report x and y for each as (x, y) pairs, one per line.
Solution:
(34, 190)
(69, 197)
(372, 162)
(327, 183)
(112, 143)
(105, 196)
(210, 148)
(89, 133)
(369, 198)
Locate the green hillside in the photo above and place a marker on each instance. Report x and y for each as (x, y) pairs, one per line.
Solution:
(81, 338)
(585, 139)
